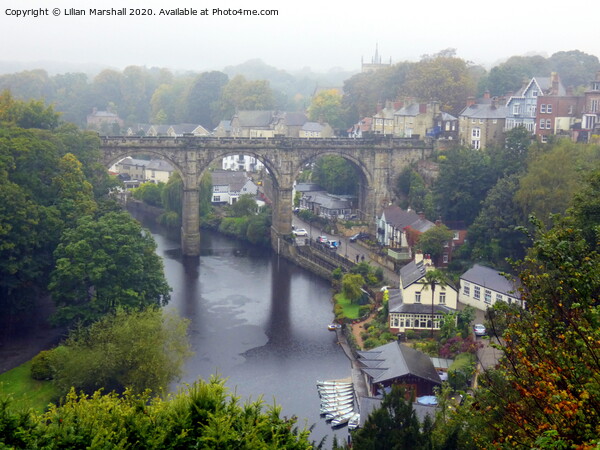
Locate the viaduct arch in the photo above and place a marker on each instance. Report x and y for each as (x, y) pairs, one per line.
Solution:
(378, 160)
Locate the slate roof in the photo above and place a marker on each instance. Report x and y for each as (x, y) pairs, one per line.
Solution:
(485, 111)
(308, 187)
(225, 125)
(255, 118)
(411, 273)
(492, 279)
(159, 164)
(446, 117)
(329, 202)
(312, 126)
(410, 110)
(134, 162)
(395, 360)
(399, 218)
(294, 119)
(234, 179)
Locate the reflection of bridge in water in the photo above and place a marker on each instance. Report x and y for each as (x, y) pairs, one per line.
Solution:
(378, 162)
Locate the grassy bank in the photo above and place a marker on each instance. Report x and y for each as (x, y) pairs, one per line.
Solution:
(25, 391)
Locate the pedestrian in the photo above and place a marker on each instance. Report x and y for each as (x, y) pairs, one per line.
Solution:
(357, 256)
(362, 258)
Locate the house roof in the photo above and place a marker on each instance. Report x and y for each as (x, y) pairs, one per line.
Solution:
(447, 117)
(183, 128)
(308, 187)
(159, 164)
(294, 119)
(394, 360)
(254, 118)
(225, 125)
(134, 162)
(411, 273)
(492, 279)
(485, 111)
(312, 126)
(399, 218)
(330, 202)
(410, 110)
(234, 179)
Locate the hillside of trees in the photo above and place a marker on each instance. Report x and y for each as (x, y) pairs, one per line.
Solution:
(159, 96)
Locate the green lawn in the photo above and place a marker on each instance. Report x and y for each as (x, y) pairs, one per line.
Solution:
(27, 392)
(350, 309)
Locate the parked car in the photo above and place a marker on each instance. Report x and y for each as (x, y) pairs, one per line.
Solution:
(479, 329)
(334, 245)
(300, 232)
(358, 236)
(322, 239)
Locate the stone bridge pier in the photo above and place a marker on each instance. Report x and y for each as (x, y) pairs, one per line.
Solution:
(378, 162)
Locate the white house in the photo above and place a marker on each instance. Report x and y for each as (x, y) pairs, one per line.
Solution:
(229, 185)
(412, 306)
(482, 286)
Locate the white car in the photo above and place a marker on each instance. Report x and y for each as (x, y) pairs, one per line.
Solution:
(300, 232)
(479, 329)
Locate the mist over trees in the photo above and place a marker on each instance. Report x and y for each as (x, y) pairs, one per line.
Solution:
(160, 96)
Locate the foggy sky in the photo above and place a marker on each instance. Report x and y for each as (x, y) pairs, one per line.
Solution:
(316, 34)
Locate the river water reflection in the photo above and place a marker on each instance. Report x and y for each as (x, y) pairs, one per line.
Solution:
(257, 320)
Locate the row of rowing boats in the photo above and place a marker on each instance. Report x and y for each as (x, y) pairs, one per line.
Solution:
(337, 402)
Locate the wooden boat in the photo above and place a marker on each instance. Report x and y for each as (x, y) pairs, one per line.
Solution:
(339, 413)
(335, 390)
(340, 402)
(333, 383)
(332, 398)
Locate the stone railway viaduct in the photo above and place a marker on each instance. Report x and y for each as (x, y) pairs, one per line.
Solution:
(378, 162)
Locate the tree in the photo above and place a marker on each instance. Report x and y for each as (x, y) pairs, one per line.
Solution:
(434, 240)
(150, 193)
(326, 107)
(495, 234)
(105, 263)
(138, 350)
(548, 380)
(244, 206)
(544, 190)
(510, 75)
(443, 78)
(430, 281)
(205, 415)
(575, 67)
(74, 193)
(336, 175)
(393, 426)
(465, 177)
(203, 98)
(352, 286)
(240, 93)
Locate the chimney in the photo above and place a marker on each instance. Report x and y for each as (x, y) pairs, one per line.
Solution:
(422, 108)
(486, 94)
(418, 257)
(494, 102)
(421, 215)
(470, 101)
(555, 81)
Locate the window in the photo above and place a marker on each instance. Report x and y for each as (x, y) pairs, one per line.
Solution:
(488, 296)
(549, 109)
(516, 109)
(417, 297)
(442, 298)
(495, 121)
(456, 236)
(445, 258)
(542, 124)
(548, 124)
(477, 293)
(217, 198)
(544, 139)
(394, 321)
(499, 297)
(543, 109)
(476, 132)
(594, 105)
(534, 93)
(467, 289)
(476, 144)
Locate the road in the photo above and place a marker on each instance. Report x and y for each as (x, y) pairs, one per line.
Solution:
(350, 250)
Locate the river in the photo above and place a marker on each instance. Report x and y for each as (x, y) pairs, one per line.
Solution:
(257, 320)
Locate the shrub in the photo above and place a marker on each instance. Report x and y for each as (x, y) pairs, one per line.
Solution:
(337, 273)
(41, 366)
(364, 310)
(410, 334)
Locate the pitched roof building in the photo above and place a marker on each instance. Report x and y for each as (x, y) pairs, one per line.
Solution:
(481, 287)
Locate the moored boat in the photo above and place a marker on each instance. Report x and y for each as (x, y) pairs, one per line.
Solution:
(354, 421)
(341, 420)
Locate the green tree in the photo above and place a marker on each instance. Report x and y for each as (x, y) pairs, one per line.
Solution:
(336, 175)
(432, 279)
(244, 206)
(495, 234)
(104, 263)
(443, 78)
(74, 193)
(393, 426)
(434, 240)
(240, 93)
(464, 180)
(352, 286)
(513, 73)
(138, 350)
(203, 98)
(544, 190)
(326, 107)
(206, 190)
(575, 67)
(150, 193)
